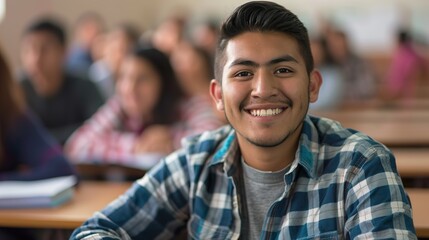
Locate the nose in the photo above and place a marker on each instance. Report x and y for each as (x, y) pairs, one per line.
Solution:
(264, 85)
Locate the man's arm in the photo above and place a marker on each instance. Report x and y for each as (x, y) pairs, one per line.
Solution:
(377, 206)
(155, 207)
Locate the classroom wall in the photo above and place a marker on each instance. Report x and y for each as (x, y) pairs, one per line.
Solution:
(370, 23)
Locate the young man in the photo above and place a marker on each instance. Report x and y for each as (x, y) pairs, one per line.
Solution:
(275, 173)
(61, 100)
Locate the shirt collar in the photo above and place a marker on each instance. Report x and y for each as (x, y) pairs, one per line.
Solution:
(308, 150)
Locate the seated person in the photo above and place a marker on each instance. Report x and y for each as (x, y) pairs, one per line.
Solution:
(194, 70)
(61, 101)
(331, 93)
(136, 122)
(405, 70)
(27, 151)
(114, 46)
(87, 29)
(275, 172)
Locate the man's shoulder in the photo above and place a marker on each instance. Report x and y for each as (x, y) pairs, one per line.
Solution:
(331, 132)
(334, 139)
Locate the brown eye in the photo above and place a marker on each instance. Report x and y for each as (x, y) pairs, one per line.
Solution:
(283, 70)
(243, 74)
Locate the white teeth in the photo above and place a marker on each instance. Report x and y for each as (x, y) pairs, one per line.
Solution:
(266, 112)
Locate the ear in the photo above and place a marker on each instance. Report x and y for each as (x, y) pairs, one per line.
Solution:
(216, 94)
(315, 83)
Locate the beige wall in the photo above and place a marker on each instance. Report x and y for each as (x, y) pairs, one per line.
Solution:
(146, 13)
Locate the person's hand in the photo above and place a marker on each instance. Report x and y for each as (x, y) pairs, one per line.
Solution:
(155, 139)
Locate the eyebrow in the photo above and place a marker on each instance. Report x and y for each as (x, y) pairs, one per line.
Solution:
(245, 62)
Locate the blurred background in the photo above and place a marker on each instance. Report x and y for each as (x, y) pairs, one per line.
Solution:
(371, 25)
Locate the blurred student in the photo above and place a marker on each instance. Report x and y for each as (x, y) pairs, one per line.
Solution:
(194, 70)
(27, 151)
(169, 34)
(205, 36)
(88, 28)
(406, 68)
(115, 45)
(332, 91)
(61, 100)
(137, 121)
(360, 82)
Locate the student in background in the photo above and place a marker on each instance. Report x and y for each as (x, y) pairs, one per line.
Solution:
(136, 122)
(406, 68)
(169, 33)
(360, 82)
(114, 46)
(194, 70)
(87, 30)
(274, 172)
(205, 35)
(332, 91)
(27, 151)
(61, 100)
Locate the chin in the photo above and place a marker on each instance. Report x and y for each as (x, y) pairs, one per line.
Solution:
(267, 142)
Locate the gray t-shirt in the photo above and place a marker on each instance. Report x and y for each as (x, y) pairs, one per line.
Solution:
(261, 190)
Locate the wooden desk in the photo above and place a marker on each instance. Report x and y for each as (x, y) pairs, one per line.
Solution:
(394, 134)
(394, 128)
(419, 200)
(89, 197)
(376, 115)
(412, 162)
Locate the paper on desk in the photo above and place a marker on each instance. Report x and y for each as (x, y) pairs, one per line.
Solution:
(40, 188)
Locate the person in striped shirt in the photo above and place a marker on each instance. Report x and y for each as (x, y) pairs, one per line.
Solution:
(145, 120)
(275, 172)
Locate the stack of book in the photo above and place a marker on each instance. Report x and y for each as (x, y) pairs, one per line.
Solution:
(36, 194)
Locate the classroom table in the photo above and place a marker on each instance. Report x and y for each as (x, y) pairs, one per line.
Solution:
(92, 196)
(419, 200)
(412, 162)
(394, 128)
(375, 115)
(89, 197)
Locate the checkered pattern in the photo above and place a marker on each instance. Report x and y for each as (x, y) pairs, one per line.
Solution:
(342, 185)
(109, 136)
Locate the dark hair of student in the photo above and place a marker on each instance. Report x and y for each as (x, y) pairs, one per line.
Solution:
(11, 100)
(48, 25)
(167, 108)
(261, 16)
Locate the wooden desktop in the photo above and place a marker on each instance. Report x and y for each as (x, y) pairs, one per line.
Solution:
(90, 197)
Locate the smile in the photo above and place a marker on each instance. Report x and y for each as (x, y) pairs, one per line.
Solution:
(265, 112)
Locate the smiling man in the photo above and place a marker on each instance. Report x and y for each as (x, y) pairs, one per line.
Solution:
(275, 172)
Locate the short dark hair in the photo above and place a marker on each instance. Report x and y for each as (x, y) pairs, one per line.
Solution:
(262, 16)
(49, 25)
(166, 110)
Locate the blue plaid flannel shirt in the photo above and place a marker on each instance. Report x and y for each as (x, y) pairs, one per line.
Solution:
(342, 185)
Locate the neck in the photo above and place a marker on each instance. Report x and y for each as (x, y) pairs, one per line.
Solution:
(271, 158)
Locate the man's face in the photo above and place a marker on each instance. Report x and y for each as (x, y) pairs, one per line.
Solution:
(42, 57)
(265, 90)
